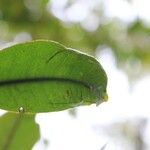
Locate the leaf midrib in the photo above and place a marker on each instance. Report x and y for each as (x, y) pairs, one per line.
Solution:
(42, 79)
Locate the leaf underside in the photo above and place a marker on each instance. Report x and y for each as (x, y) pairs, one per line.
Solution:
(44, 76)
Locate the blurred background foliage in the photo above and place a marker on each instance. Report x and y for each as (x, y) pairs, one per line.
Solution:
(90, 30)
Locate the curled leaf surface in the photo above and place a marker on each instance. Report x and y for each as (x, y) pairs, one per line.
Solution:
(44, 76)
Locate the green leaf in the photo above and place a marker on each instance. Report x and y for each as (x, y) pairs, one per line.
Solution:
(18, 131)
(43, 76)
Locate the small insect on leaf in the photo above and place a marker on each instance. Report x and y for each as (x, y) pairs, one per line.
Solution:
(44, 76)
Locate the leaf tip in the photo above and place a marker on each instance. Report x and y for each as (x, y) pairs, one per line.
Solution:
(105, 97)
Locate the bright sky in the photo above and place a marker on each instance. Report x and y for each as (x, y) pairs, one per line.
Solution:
(126, 11)
(81, 9)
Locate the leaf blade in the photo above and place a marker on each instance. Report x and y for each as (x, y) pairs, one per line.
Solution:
(63, 77)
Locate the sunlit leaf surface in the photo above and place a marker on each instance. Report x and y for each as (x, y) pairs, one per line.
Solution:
(44, 76)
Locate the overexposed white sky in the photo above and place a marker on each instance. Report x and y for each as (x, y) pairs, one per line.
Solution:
(126, 10)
